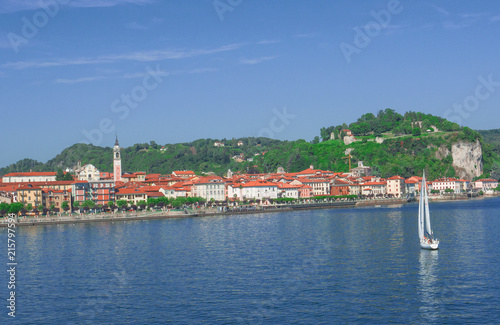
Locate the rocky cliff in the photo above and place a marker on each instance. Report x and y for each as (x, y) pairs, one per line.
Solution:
(467, 159)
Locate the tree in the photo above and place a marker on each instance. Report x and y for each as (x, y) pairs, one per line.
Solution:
(416, 132)
(59, 175)
(88, 204)
(68, 177)
(29, 207)
(16, 207)
(121, 203)
(65, 206)
(4, 208)
(315, 140)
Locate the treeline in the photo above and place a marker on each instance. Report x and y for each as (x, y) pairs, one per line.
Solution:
(389, 120)
(200, 156)
(407, 155)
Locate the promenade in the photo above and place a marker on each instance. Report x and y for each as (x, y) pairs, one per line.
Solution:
(207, 211)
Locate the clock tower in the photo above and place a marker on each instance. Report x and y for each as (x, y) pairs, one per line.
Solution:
(117, 162)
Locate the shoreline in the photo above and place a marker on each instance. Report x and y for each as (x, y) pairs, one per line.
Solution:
(107, 217)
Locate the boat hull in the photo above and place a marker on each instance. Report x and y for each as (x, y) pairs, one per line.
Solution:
(432, 245)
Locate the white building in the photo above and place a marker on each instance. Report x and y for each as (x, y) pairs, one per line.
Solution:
(209, 188)
(288, 190)
(396, 186)
(442, 184)
(29, 177)
(320, 186)
(254, 190)
(88, 173)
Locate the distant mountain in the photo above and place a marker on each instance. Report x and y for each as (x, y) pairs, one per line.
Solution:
(389, 142)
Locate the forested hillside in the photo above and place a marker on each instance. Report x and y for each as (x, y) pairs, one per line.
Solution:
(393, 144)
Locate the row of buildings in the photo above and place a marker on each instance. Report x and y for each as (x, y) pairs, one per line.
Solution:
(42, 188)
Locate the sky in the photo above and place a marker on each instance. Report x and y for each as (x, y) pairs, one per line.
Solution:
(176, 71)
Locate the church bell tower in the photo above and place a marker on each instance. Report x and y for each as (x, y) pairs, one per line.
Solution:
(117, 162)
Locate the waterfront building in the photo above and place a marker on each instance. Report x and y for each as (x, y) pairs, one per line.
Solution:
(255, 189)
(80, 191)
(411, 186)
(378, 189)
(339, 187)
(56, 198)
(131, 195)
(288, 190)
(487, 185)
(442, 184)
(101, 192)
(305, 191)
(29, 194)
(320, 186)
(396, 186)
(209, 188)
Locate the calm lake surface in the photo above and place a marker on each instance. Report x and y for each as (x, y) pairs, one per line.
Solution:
(311, 267)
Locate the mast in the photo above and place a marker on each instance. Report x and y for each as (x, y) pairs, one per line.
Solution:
(421, 211)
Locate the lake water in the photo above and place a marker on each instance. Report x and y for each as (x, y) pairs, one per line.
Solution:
(310, 267)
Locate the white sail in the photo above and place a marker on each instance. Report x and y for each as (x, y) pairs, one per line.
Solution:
(427, 214)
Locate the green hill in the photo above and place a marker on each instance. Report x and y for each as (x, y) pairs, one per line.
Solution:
(409, 143)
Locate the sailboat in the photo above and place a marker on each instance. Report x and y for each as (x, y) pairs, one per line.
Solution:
(427, 240)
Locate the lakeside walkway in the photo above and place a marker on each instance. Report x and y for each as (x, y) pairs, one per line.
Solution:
(202, 212)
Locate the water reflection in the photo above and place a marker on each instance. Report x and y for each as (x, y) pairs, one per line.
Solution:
(427, 286)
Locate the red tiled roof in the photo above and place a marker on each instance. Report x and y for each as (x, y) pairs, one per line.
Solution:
(258, 184)
(26, 174)
(183, 172)
(123, 191)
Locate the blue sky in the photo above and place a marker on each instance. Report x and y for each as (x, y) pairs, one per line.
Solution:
(176, 71)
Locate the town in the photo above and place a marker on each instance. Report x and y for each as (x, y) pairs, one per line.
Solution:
(87, 188)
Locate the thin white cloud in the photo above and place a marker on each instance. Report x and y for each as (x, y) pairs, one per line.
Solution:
(441, 10)
(9, 6)
(305, 35)
(143, 74)
(78, 80)
(144, 56)
(135, 25)
(53, 63)
(134, 75)
(202, 70)
(265, 42)
(454, 21)
(495, 19)
(257, 60)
